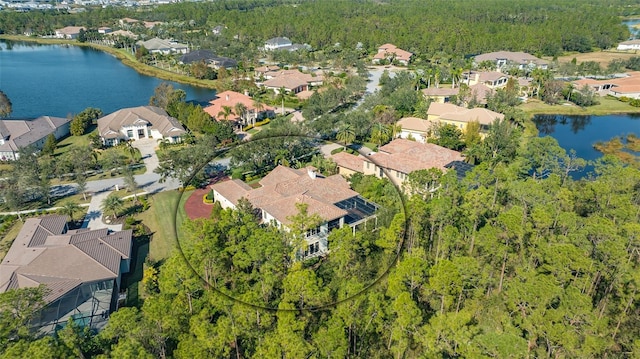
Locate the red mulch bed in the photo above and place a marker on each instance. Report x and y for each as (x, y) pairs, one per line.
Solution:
(194, 206)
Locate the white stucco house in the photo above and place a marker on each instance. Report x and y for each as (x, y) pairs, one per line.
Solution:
(629, 45)
(137, 123)
(17, 134)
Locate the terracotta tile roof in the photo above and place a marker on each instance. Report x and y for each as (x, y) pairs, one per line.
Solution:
(407, 156)
(386, 49)
(70, 30)
(284, 186)
(460, 114)
(415, 124)
(231, 98)
(349, 161)
(480, 91)
(232, 190)
(62, 260)
(156, 117)
(440, 91)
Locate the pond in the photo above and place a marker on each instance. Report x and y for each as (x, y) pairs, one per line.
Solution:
(58, 80)
(580, 133)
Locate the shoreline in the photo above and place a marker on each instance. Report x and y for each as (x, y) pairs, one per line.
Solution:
(126, 58)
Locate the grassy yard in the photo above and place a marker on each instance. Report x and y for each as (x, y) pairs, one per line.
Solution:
(160, 219)
(7, 239)
(607, 106)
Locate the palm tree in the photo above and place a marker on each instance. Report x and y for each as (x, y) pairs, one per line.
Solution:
(282, 94)
(163, 143)
(241, 110)
(130, 182)
(379, 134)
(112, 203)
(226, 112)
(570, 88)
(130, 150)
(69, 208)
(346, 134)
(81, 184)
(259, 106)
(456, 75)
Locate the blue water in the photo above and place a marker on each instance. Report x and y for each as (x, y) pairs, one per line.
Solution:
(582, 132)
(634, 32)
(58, 80)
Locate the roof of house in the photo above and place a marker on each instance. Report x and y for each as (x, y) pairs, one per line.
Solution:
(22, 133)
(283, 187)
(278, 41)
(290, 79)
(225, 62)
(231, 98)
(517, 57)
(305, 95)
(407, 156)
(630, 42)
(447, 111)
(156, 117)
(232, 190)
(484, 76)
(43, 253)
(70, 30)
(196, 56)
(632, 78)
(349, 161)
(128, 20)
(480, 91)
(268, 68)
(386, 49)
(125, 33)
(440, 91)
(161, 44)
(415, 124)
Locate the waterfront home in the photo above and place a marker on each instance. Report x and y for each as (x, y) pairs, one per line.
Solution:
(226, 107)
(391, 53)
(284, 189)
(17, 134)
(69, 32)
(81, 270)
(130, 124)
(509, 59)
(626, 86)
(162, 46)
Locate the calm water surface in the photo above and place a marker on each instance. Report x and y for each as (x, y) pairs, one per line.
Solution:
(582, 132)
(59, 80)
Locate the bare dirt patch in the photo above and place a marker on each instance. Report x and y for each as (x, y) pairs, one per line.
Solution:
(601, 57)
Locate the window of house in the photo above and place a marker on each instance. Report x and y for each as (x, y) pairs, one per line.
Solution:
(367, 165)
(130, 133)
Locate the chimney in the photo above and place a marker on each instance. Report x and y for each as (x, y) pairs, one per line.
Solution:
(311, 172)
(227, 97)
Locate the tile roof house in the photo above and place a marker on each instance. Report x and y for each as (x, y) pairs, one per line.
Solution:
(284, 188)
(162, 46)
(521, 60)
(491, 79)
(416, 128)
(626, 86)
(629, 45)
(17, 134)
(461, 116)
(293, 81)
(440, 94)
(81, 270)
(69, 32)
(139, 122)
(391, 52)
(254, 111)
(397, 159)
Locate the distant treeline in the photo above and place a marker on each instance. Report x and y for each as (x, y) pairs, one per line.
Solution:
(430, 29)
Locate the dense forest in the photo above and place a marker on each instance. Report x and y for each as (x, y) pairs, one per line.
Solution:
(430, 29)
(516, 260)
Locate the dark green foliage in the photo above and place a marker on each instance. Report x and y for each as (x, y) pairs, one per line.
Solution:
(83, 120)
(49, 146)
(5, 105)
(448, 136)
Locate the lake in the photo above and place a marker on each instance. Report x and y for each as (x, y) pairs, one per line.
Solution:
(582, 132)
(58, 80)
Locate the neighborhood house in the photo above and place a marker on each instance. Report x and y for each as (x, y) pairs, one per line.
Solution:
(69, 32)
(80, 269)
(239, 108)
(397, 159)
(460, 116)
(17, 134)
(162, 46)
(391, 53)
(139, 122)
(521, 60)
(284, 189)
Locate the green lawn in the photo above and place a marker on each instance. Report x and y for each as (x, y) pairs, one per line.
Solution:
(7, 239)
(607, 106)
(160, 218)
